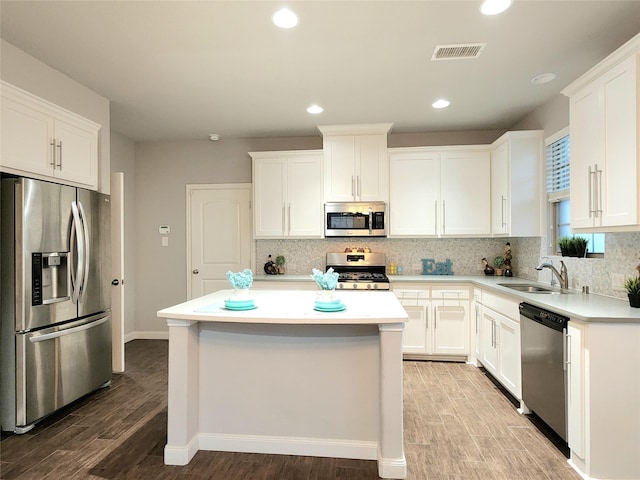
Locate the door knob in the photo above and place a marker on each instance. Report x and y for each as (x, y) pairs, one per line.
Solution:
(115, 282)
(196, 271)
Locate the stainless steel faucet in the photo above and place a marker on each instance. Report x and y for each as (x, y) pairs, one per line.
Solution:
(563, 276)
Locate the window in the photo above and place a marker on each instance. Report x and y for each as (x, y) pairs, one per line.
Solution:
(558, 155)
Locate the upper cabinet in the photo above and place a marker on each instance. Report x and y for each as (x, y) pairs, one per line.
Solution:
(287, 194)
(355, 162)
(516, 166)
(439, 191)
(45, 141)
(604, 123)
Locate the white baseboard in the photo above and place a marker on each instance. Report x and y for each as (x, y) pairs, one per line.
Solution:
(178, 455)
(146, 335)
(315, 447)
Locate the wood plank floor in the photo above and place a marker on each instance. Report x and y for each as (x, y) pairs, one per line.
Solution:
(457, 426)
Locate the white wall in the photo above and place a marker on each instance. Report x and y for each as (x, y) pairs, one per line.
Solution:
(123, 156)
(30, 74)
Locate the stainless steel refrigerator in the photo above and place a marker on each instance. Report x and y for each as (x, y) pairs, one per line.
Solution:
(55, 301)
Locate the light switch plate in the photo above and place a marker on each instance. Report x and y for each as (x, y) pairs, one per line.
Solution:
(165, 241)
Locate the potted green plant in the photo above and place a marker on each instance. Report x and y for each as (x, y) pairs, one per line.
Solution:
(564, 243)
(498, 262)
(280, 260)
(632, 286)
(580, 246)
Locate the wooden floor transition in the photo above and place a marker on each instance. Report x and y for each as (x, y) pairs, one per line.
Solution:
(458, 425)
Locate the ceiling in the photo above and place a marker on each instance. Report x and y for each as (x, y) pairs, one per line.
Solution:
(184, 69)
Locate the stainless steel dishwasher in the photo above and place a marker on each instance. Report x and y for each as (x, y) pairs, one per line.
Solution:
(543, 347)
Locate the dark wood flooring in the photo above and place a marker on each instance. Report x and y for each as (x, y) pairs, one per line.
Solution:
(458, 425)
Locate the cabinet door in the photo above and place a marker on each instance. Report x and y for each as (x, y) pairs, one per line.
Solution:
(500, 190)
(586, 149)
(477, 328)
(509, 361)
(620, 169)
(450, 327)
(575, 395)
(340, 168)
(27, 134)
(76, 153)
(489, 356)
(465, 181)
(269, 177)
(304, 196)
(372, 168)
(414, 191)
(414, 336)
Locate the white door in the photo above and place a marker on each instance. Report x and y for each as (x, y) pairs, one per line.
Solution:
(117, 271)
(219, 230)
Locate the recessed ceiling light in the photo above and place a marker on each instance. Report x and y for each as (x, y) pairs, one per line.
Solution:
(285, 18)
(315, 109)
(494, 7)
(441, 103)
(543, 78)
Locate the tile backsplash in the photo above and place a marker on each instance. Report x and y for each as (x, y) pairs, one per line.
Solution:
(466, 254)
(621, 257)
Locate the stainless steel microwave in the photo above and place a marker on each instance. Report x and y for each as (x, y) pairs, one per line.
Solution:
(355, 219)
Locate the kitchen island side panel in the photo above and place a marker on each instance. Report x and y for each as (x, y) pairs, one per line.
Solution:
(292, 381)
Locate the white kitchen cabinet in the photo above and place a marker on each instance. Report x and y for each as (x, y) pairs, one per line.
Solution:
(450, 307)
(516, 166)
(42, 140)
(500, 341)
(438, 327)
(603, 418)
(477, 325)
(356, 163)
(605, 156)
(416, 336)
(287, 194)
(439, 192)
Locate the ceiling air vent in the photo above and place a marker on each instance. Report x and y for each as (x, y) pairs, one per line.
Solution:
(459, 51)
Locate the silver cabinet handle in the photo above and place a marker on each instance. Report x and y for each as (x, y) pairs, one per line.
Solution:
(195, 271)
(353, 186)
(504, 209)
(289, 219)
(435, 223)
(444, 218)
(590, 189)
(358, 186)
(60, 155)
(598, 190)
(53, 153)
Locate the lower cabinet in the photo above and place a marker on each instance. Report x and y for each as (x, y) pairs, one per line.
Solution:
(500, 344)
(438, 320)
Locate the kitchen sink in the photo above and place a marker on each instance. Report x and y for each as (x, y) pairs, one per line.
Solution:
(527, 288)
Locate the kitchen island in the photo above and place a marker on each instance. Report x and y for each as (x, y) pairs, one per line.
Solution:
(285, 379)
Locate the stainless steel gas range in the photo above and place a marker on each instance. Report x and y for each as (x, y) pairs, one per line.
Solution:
(359, 269)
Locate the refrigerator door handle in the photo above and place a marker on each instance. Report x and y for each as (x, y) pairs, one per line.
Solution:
(87, 251)
(76, 242)
(68, 331)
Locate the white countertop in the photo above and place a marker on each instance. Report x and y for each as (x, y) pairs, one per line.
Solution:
(576, 305)
(292, 307)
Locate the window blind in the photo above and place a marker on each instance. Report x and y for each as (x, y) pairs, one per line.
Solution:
(558, 165)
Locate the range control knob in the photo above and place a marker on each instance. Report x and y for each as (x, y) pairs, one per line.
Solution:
(355, 285)
(375, 286)
(368, 286)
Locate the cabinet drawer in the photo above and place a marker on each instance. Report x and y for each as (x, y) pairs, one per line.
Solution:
(505, 306)
(453, 292)
(412, 297)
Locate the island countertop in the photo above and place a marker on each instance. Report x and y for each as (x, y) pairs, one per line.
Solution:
(292, 307)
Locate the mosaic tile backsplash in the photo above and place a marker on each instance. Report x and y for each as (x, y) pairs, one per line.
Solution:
(621, 257)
